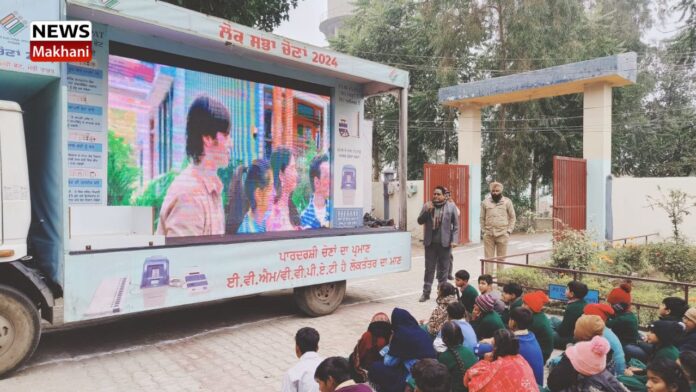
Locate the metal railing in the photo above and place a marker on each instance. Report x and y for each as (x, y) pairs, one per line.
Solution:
(625, 240)
(577, 274)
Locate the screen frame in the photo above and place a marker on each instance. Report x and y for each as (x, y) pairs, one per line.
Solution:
(175, 60)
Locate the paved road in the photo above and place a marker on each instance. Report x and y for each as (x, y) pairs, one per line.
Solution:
(236, 345)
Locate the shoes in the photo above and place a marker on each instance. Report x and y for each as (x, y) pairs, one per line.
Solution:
(424, 298)
(450, 277)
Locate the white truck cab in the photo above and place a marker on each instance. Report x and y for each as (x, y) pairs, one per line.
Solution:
(15, 203)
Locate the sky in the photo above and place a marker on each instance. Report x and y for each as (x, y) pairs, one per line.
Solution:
(303, 24)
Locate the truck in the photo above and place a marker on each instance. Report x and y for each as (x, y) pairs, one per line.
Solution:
(190, 160)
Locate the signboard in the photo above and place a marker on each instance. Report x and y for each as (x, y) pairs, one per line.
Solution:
(87, 126)
(557, 292)
(113, 283)
(15, 19)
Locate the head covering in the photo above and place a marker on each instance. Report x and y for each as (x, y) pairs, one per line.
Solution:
(691, 314)
(485, 302)
(587, 327)
(535, 300)
(621, 294)
(367, 349)
(381, 316)
(667, 332)
(589, 358)
(409, 341)
(602, 310)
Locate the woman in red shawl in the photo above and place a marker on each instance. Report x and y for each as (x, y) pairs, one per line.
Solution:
(367, 349)
(505, 370)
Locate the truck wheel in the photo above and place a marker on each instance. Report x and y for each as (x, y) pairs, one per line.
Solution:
(320, 299)
(20, 329)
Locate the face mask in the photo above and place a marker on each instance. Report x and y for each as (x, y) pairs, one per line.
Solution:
(496, 198)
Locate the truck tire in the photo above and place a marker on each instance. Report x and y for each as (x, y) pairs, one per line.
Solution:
(320, 299)
(20, 329)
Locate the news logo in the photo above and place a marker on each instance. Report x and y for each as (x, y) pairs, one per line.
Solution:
(61, 41)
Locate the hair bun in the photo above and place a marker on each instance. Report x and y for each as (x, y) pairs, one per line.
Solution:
(626, 286)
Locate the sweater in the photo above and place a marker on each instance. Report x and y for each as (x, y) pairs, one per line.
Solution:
(625, 326)
(572, 313)
(468, 297)
(541, 327)
(487, 324)
(618, 355)
(456, 375)
(688, 342)
(531, 351)
(670, 352)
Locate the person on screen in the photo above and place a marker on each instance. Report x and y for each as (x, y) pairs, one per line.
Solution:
(284, 214)
(193, 204)
(318, 211)
(258, 190)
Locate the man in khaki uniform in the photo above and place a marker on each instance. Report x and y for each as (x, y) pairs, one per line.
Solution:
(497, 222)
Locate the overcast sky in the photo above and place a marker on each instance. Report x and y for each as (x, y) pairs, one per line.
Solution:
(304, 24)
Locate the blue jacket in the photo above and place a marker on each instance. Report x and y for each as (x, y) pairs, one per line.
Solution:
(531, 351)
(617, 351)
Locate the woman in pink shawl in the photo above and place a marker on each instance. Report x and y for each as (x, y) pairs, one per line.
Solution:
(502, 370)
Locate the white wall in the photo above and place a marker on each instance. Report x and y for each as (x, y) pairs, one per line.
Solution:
(632, 215)
(414, 204)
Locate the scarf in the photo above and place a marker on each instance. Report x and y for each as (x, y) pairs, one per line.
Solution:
(437, 214)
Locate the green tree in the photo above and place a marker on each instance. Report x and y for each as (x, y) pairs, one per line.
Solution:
(262, 14)
(122, 174)
(418, 37)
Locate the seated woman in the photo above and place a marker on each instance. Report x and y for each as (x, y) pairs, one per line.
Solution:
(367, 349)
(665, 375)
(446, 294)
(583, 367)
(457, 358)
(333, 375)
(409, 343)
(503, 370)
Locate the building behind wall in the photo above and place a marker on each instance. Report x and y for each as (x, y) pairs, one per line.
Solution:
(337, 12)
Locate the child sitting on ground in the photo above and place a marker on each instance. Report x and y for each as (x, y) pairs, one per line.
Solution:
(512, 297)
(467, 293)
(563, 330)
(446, 294)
(485, 283)
(455, 312)
(625, 323)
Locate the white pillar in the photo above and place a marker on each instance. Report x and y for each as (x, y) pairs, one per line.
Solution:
(469, 140)
(596, 149)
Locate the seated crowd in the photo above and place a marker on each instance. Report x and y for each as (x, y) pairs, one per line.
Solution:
(496, 342)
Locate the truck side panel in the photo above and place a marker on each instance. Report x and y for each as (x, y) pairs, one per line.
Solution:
(117, 283)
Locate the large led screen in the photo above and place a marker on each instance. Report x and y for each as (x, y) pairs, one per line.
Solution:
(214, 154)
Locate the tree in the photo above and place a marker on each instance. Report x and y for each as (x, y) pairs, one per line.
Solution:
(677, 204)
(262, 14)
(433, 40)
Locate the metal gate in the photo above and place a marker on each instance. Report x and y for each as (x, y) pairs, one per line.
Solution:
(569, 193)
(456, 179)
